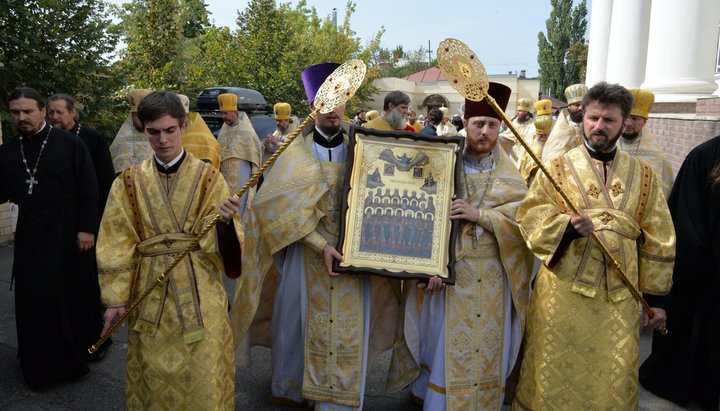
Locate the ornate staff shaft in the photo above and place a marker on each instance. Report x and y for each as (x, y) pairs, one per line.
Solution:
(335, 91)
(635, 293)
(252, 181)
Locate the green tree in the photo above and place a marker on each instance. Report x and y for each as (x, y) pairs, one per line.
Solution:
(58, 46)
(278, 42)
(195, 18)
(153, 32)
(562, 53)
(408, 63)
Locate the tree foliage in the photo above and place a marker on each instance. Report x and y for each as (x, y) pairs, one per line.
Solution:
(399, 63)
(70, 46)
(58, 46)
(268, 49)
(153, 31)
(562, 52)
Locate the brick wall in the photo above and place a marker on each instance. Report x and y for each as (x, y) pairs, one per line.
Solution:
(680, 133)
(6, 224)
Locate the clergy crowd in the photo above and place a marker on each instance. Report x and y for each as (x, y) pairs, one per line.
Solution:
(572, 236)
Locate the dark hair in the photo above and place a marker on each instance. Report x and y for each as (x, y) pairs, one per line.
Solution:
(435, 116)
(609, 95)
(158, 104)
(62, 96)
(396, 98)
(27, 92)
(457, 122)
(714, 177)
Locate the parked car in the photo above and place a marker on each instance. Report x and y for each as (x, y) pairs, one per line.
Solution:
(250, 102)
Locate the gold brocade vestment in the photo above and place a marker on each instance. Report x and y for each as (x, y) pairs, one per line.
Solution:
(648, 148)
(239, 143)
(564, 136)
(199, 141)
(300, 202)
(527, 166)
(509, 142)
(180, 347)
(491, 255)
(581, 348)
(129, 147)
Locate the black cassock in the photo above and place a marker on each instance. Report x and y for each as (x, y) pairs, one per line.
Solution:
(57, 300)
(102, 161)
(684, 365)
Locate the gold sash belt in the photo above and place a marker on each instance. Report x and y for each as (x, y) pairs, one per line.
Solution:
(163, 244)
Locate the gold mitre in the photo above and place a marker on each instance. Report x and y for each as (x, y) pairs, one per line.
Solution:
(524, 104)
(282, 111)
(135, 96)
(575, 93)
(444, 110)
(227, 102)
(543, 107)
(543, 124)
(185, 100)
(643, 101)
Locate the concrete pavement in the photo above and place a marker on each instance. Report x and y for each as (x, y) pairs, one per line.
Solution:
(103, 388)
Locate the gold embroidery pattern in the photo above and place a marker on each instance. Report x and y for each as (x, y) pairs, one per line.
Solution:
(605, 217)
(593, 191)
(617, 189)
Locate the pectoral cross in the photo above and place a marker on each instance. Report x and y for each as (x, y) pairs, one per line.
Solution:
(31, 182)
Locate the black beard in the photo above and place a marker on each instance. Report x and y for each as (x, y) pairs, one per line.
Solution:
(331, 130)
(630, 136)
(576, 116)
(602, 147)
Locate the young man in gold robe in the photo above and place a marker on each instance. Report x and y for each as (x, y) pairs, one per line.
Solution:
(469, 334)
(324, 333)
(581, 347)
(637, 141)
(130, 145)
(240, 148)
(567, 131)
(180, 346)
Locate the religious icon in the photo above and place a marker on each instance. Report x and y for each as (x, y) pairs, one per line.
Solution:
(397, 224)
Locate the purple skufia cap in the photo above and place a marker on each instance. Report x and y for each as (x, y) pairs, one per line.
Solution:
(501, 94)
(314, 76)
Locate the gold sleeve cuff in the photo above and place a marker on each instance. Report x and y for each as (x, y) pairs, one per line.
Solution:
(315, 241)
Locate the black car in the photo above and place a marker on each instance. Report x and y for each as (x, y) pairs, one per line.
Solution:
(250, 102)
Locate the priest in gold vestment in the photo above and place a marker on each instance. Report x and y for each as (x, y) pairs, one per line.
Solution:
(324, 328)
(180, 345)
(285, 124)
(240, 148)
(469, 334)
(637, 140)
(543, 125)
(197, 139)
(582, 337)
(524, 125)
(567, 131)
(130, 145)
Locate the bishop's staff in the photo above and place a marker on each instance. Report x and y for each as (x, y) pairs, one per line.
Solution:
(337, 89)
(466, 74)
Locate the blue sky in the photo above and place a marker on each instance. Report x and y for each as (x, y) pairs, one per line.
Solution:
(502, 32)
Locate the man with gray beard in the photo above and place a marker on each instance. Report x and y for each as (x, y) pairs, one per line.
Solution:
(394, 115)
